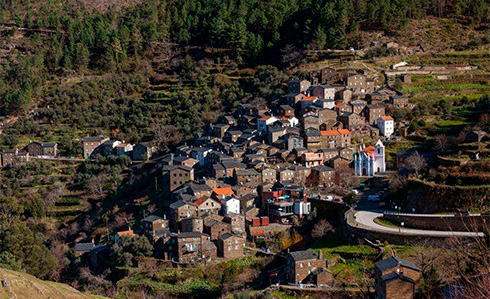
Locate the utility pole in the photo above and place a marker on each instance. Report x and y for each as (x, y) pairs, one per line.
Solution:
(156, 185)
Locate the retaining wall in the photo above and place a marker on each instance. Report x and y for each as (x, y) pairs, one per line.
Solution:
(442, 222)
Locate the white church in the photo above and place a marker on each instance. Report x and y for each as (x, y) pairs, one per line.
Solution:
(370, 161)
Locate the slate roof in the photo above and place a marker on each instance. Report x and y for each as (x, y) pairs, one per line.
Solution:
(151, 218)
(49, 144)
(178, 204)
(84, 246)
(393, 262)
(225, 236)
(303, 255)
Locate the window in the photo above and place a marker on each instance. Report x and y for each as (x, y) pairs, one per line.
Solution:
(301, 265)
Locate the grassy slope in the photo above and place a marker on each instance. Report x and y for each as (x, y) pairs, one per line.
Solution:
(26, 286)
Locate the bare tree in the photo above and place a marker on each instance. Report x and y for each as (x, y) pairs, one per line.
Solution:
(415, 162)
(485, 119)
(321, 229)
(441, 142)
(166, 135)
(96, 185)
(290, 54)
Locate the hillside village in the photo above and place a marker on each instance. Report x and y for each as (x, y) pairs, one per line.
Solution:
(245, 149)
(262, 170)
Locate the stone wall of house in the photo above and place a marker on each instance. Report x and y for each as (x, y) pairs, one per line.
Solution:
(399, 289)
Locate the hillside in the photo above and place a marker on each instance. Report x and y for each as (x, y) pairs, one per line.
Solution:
(22, 285)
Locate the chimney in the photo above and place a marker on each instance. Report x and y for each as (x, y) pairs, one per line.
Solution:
(165, 216)
(172, 159)
(320, 255)
(288, 250)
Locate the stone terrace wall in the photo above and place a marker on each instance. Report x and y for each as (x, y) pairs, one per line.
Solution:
(442, 222)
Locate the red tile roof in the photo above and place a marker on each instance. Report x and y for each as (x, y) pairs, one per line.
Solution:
(265, 118)
(386, 117)
(344, 131)
(200, 201)
(330, 133)
(129, 233)
(223, 191)
(309, 99)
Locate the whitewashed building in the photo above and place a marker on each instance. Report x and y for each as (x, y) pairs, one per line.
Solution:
(370, 161)
(386, 125)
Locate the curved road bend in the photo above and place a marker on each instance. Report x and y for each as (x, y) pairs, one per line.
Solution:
(365, 213)
(365, 219)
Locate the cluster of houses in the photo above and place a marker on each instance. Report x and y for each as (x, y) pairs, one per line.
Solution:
(36, 149)
(247, 176)
(100, 145)
(92, 146)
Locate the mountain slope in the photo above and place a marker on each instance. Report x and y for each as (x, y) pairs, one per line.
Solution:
(21, 285)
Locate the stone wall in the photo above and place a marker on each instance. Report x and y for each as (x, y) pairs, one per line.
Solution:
(441, 222)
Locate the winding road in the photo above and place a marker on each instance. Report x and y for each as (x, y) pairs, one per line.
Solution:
(366, 212)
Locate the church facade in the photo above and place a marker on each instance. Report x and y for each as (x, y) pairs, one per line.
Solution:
(370, 161)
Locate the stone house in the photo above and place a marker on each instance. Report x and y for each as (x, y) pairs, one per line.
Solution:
(269, 174)
(327, 116)
(313, 139)
(199, 190)
(194, 247)
(237, 222)
(219, 130)
(154, 223)
(294, 98)
(344, 95)
(307, 267)
(357, 106)
(342, 108)
(352, 121)
(247, 177)
(312, 159)
(175, 176)
(324, 175)
(373, 113)
(399, 101)
(181, 210)
(124, 149)
(396, 278)
(193, 224)
(285, 174)
(298, 86)
(232, 136)
(286, 110)
(230, 246)
(92, 146)
(185, 161)
(346, 153)
(311, 121)
(338, 163)
(323, 92)
(9, 157)
(144, 151)
(206, 206)
(214, 226)
(36, 148)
